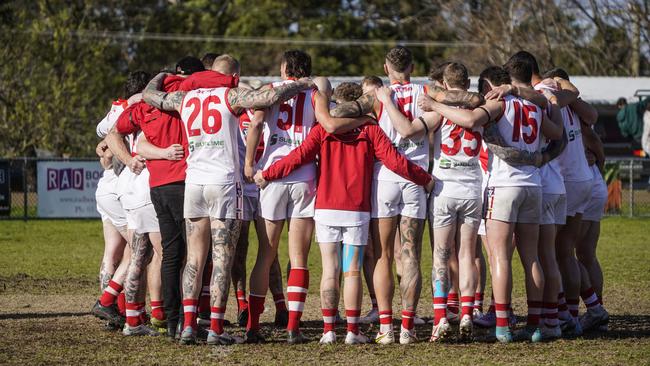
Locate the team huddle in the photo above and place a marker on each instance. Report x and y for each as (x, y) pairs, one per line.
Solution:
(194, 156)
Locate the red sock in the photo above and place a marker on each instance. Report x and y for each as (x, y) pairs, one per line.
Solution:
(439, 308)
(373, 300)
(111, 292)
(121, 303)
(280, 302)
(407, 319)
(216, 319)
(352, 317)
(297, 286)
(534, 313)
(190, 308)
(467, 305)
(385, 321)
(133, 318)
(144, 318)
(589, 298)
(329, 319)
(502, 314)
(255, 309)
(452, 302)
(550, 314)
(573, 306)
(157, 310)
(478, 301)
(242, 304)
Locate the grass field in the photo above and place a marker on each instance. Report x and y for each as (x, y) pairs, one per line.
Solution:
(48, 282)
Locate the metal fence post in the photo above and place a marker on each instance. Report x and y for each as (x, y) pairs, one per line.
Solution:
(631, 188)
(25, 188)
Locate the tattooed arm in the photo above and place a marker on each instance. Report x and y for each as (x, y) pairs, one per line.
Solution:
(457, 98)
(366, 103)
(529, 94)
(241, 99)
(117, 144)
(331, 124)
(155, 97)
(465, 118)
(499, 147)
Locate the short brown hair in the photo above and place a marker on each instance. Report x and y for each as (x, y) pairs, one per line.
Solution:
(226, 64)
(400, 58)
(455, 75)
(347, 92)
(372, 80)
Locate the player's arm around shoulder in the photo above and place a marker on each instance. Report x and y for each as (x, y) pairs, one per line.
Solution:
(331, 124)
(155, 97)
(467, 118)
(241, 98)
(458, 98)
(366, 104)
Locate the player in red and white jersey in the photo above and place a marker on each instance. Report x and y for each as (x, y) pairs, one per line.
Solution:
(514, 195)
(290, 199)
(249, 214)
(578, 116)
(213, 189)
(396, 201)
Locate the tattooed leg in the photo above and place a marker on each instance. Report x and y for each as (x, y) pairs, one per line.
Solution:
(329, 283)
(411, 230)
(198, 244)
(113, 250)
(239, 265)
(141, 252)
(225, 234)
(444, 239)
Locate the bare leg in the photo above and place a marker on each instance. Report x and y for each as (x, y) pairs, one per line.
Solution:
(444, 238)
(553, 279)
(268, 233)
(300, 233)
(468, 275)
(114, 245)
(140, 256)
(565, 245)
(275, 278)
(154, 279)
(329, 282)
(411, 230)
(383, 234)
(198, 244)
(500, 256)
(239, 265)
(586, 252)
(369, 267)
(481, 268)
(397, 253)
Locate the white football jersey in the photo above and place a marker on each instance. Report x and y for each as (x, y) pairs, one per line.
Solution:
(212, 130)
(551, 172)
(456, 166)
(520, 128)
(133, 189)
(104, 126)
(405, 96)
(286, 127)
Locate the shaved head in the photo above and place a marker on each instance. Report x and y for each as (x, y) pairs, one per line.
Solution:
(226, 64)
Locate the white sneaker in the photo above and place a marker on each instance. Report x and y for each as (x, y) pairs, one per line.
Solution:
(223, 339)
(371, 317)
(486, 320)
(140, 330)
(352, 338)
(407, 336)
(418, 321)
(466, 327)
(440, 331)
(385, 338)
(328, 338)
(594, 318)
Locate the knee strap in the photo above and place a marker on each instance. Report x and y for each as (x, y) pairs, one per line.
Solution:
(347, 258)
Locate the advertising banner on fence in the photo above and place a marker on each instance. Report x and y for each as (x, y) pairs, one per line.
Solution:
(67, 188)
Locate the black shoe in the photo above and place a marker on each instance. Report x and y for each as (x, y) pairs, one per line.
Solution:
(281, 318)
(242, 318)
(111, 327)
(171, 330)
(108, 313)
(296, 337)
(254, 337)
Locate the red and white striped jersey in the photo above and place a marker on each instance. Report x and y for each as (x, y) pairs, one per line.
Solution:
(250, 189)
(104, 126)
(405, 96)
(456, 161)
(287, 125)
(520, 126)
(213, 136)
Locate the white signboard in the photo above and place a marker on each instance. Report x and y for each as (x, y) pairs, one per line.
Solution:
(67, 188)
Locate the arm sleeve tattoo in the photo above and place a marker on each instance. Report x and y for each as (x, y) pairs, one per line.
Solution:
(355, 108)
(458, 98)
(258, 99)
(515, 157)
(155, 97)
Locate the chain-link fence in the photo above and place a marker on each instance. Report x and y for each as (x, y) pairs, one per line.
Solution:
(627, 179)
